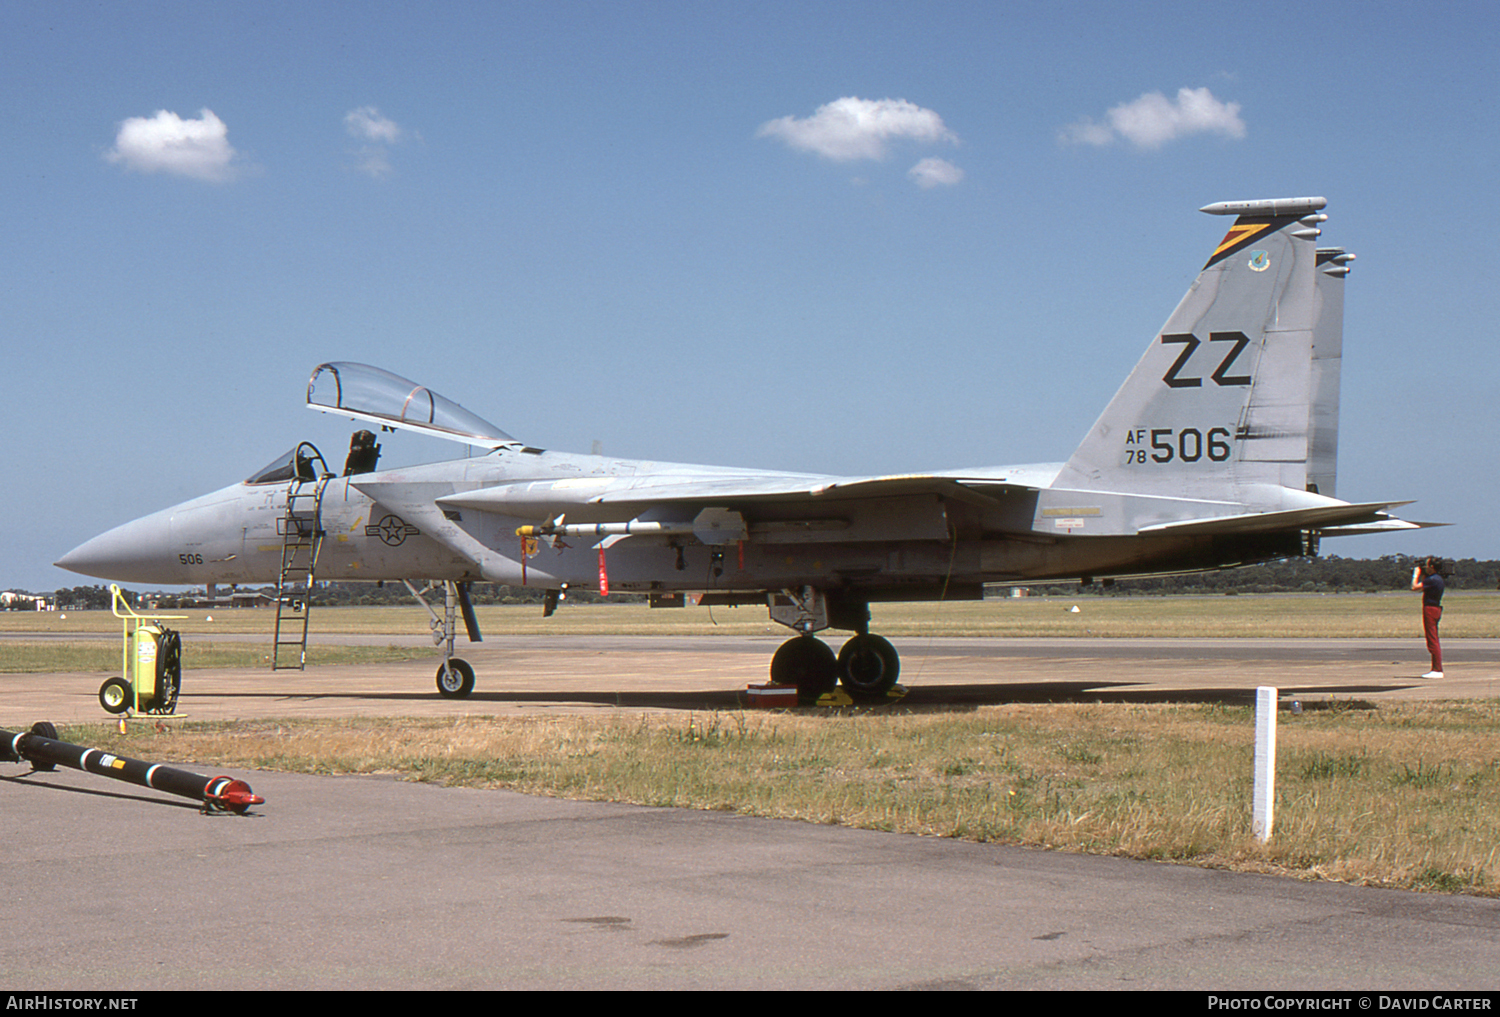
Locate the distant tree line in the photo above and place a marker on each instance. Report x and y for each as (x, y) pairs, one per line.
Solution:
(1330, 574)
(88, 598)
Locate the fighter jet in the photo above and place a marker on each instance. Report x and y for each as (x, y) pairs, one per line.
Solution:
(1219, 450)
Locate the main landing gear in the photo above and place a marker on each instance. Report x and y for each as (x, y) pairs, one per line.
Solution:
(867, 666)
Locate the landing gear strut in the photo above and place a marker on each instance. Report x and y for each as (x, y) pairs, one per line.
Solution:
(455, 678)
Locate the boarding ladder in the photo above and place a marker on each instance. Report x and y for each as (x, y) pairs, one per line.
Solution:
(301, 532)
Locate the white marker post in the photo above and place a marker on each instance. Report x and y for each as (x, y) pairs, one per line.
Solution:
(1265, 762)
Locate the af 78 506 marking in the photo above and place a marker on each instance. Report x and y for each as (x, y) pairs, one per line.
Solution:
(1189, 444)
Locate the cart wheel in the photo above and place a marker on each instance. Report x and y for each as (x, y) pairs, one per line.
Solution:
(115, 695)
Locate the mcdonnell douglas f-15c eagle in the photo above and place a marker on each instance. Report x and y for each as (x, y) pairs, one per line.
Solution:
(1218, 450)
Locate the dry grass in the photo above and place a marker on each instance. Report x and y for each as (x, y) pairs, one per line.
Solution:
(1402, 796)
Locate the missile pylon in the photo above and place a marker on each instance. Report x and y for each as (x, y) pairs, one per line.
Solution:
(41, 748)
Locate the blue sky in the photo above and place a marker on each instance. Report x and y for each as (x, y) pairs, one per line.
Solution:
(641, 224)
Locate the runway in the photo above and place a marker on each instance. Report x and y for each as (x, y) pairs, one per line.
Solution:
(372, 883)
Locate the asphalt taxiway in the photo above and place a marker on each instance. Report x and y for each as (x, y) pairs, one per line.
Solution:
(372, 883)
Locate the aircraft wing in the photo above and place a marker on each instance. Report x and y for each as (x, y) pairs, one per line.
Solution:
(666, 489)
(677, 489)
(1328, 518)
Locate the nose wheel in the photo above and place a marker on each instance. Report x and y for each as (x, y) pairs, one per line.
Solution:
(455, 679)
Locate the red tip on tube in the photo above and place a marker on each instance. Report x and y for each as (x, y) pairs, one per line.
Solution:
(230, 795)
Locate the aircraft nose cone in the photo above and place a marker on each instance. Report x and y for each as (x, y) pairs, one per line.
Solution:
(136, 552)
(125, 554)
(199, 541)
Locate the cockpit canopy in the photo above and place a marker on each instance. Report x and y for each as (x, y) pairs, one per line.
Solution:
(369, 393)
(300, 463)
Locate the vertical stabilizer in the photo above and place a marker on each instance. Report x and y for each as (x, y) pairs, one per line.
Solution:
(1327, 359)
(1224, 397)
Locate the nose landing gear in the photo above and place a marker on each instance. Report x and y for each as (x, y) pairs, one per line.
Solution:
(455, 678)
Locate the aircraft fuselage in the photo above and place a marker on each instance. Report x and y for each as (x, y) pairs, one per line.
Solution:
(1219, 449)
(886, 547)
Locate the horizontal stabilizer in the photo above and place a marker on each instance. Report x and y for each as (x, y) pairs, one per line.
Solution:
(1317, 518)
(1383, 526)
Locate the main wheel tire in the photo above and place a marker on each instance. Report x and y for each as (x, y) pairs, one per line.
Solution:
(115, 695)
(807, 663)
(455, 679)
(868, 665)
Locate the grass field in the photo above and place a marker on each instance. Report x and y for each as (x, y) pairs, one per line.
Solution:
(1403, 796)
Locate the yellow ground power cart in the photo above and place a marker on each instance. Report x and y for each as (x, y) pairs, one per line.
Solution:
(151, 663)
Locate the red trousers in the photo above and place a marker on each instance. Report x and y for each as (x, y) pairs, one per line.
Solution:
(1430, 618)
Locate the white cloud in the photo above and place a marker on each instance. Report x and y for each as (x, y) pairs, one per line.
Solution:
(367, 123)
(1153, 119)
(166, 143)
(378, 133)
(931, 173)
(849, 128)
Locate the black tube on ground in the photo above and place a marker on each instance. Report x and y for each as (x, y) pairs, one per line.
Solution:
(45, 752)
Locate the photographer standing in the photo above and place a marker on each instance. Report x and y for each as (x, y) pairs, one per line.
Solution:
(1425, 577)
